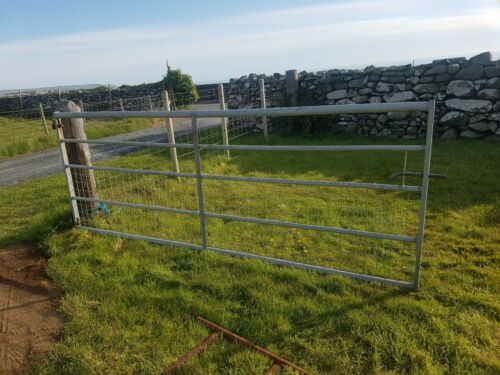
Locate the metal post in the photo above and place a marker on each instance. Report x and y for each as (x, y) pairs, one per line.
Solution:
(170, 131)
(67, 171)
(42, 115)
(199, 183)
(425, 188)
(263, 106)
(222, 104)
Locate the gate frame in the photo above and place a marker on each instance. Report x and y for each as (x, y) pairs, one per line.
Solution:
(428, 107)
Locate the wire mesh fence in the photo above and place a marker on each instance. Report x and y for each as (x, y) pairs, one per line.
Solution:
(330, 208)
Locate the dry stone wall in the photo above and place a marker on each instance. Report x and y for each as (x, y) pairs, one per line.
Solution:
(467, 94)
(98, 99)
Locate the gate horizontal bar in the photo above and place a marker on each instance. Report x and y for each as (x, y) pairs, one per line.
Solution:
(359, 233)
(315, 183)
(127, 143)
(278, 261)
(310, 267)
(316, 148)
(257, 112)
(130, 170)
(252, 147)
(352, 232)
(144, 238)
(253, 179)
(138, 205)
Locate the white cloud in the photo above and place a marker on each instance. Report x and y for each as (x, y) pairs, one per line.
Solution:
(314, 37)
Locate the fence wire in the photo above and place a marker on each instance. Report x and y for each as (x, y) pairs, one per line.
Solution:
(137, 194)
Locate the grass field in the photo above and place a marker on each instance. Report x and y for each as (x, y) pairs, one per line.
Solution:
(20, 136)
(130, 306)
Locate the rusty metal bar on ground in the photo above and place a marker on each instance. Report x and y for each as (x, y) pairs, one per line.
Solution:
(274, 369)
(193, 352)
(278, 362)
(234, 337)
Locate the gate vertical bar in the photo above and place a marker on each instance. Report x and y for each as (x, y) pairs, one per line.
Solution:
(67, 171)
(199, 183)
(222, 104)
(425, 188)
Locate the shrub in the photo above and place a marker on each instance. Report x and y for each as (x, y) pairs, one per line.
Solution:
(182, 85)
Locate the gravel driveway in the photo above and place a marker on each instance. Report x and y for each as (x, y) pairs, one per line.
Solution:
(44, 163)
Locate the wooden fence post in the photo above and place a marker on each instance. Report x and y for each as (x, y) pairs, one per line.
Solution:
(222, 104)
(262, 88)
(83, 180)
(80, 103)
(170, 131)
(42, 115)
(21, 99)
(172, 98)
(121, 105)
(292, 87)
(110, 101)
(150, 103)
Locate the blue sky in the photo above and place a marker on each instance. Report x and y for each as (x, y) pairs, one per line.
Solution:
(45, 43)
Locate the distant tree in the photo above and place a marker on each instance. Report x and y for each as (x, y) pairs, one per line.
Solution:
(182, 85)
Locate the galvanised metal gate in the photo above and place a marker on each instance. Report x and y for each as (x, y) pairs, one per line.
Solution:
(195, 147)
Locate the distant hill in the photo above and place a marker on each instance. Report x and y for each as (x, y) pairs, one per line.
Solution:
(52, 88)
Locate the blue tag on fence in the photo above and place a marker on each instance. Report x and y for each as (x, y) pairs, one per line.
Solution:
(103, 208)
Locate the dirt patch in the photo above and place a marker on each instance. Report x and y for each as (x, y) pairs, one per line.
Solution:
(29, 322)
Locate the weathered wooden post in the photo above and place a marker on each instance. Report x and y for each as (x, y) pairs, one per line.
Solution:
(222, 105)
(170, 131)
(292, 87)
(21, 99)
(109, 94)
(150, 103)
(82, 181)
(262, 88)
(42, 115)
(172, 98)
(80, 103)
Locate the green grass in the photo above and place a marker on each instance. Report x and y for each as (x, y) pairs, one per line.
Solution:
(130, 306)
(20, 136)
